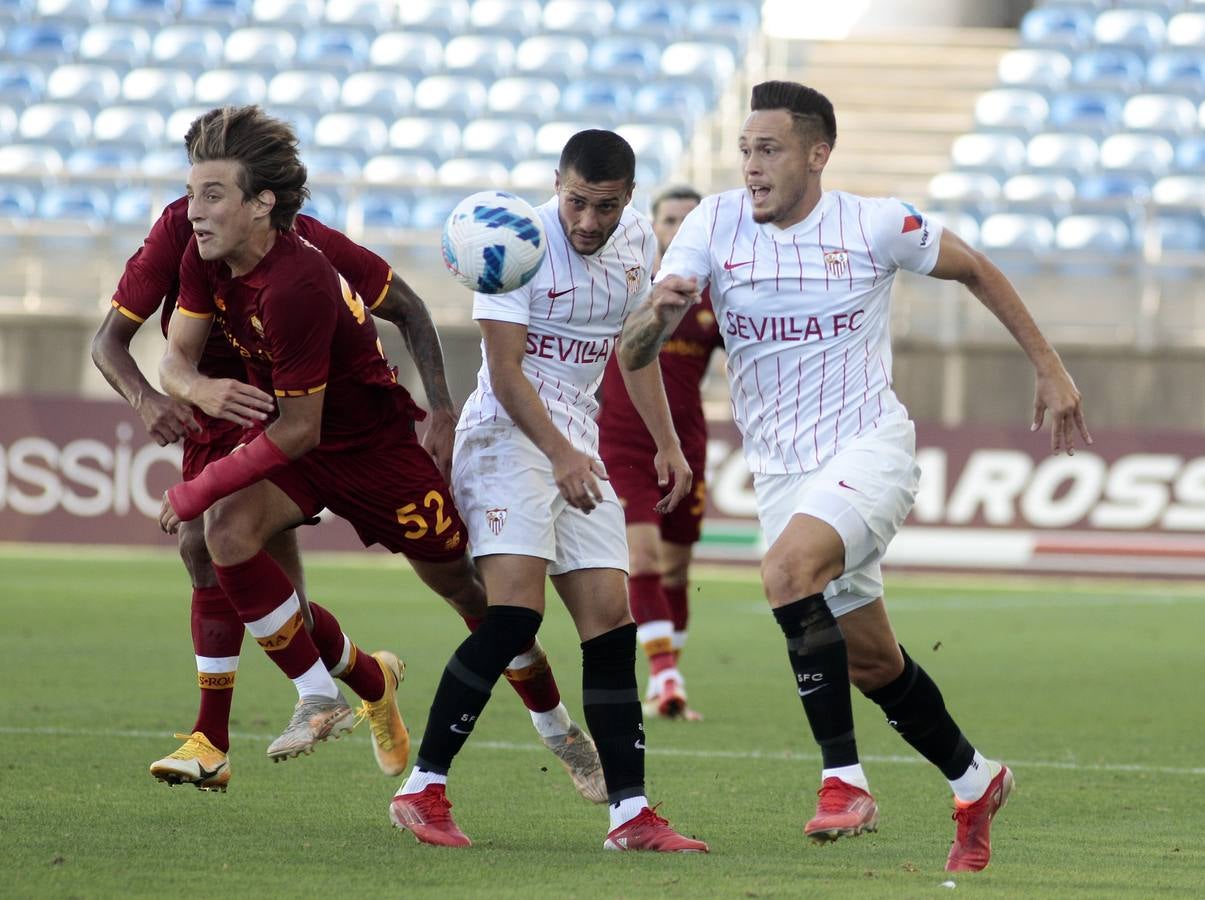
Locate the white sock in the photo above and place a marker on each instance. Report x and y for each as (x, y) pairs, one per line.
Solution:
(972, 784)
(552, 723)
(344, 658)
(850, 775)
(418, 780)
(316, 682)
(523, 660)
(679, 640)
(626, 810)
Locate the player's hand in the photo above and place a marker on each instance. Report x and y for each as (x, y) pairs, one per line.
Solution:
(233, 400)
(1055, 391)
(672, 295)
(166, 419)
(168, 520)
(438, 440)
(576, 476)
(673, 471)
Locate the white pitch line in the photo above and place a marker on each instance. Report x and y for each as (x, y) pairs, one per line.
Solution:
(666, 751)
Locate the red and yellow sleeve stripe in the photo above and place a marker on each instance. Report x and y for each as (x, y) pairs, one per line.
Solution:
(302, 393)
(194, 315)
(384, 290)
(125, 312)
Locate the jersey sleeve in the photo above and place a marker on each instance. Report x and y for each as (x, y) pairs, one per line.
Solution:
(196, 293)
(299, 328)
(367, 273)
(151, 274)
(514, 307)
(904, 237)
(689, 253)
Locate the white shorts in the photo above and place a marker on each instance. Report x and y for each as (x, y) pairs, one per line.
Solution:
(864, 492)
(509, 502)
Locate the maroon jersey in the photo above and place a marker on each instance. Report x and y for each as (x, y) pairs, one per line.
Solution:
(301, 329)
(684, 359)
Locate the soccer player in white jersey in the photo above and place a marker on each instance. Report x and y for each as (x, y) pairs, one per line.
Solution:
(800, 280)
(526, 475)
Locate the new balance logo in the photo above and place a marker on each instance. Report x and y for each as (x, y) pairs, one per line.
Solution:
(729, 265)
(552, 295)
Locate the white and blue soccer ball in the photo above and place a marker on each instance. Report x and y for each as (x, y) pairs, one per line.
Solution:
(493, 242)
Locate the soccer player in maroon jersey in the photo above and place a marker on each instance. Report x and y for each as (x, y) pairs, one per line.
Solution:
(661, 545)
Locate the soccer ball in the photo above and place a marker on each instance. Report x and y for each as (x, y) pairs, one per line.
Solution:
(493, 242)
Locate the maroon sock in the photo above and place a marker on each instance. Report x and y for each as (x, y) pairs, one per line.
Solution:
(217, 633)
(675, 599)
(646, 599)
(362, 673)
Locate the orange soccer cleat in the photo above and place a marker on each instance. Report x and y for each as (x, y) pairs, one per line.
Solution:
(426, 814)
(842, 811)
(648, 831)
(972, 848)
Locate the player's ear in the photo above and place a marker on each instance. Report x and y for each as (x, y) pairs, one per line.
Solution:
(818, 156)
(556, 180)
(266, 201)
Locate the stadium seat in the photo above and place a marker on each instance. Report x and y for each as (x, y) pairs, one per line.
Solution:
(431, 210)
(1190, 155)
(1178, 233)
(551, 137)
(134, 126)
(473, 172)
(528, 99)
(317, 92)
(488, 57)
(64, 125)
(659, 19)
(1097, 234)
(1016, 232)
(534, 175)
(356, 133)
(1066, 28)
(997, 154)
(1138, 29)
(435, 138)
(115, 44)
(1146, 153)
(657, 147)
(603, 101)
(132, 206)
(328, 163)
(17, 201)
(1011, 109)
(443, 18)
(326, 206)
(29, 160)
(302, 122)
(340, 50)
(1179, 71)
(555, 57)
(293, 15)
(962, 224)
(8, 123)
(1046, 194)
(723, 21)
(178, 123)
(191, 48)
(1108, 69)
(416, 55)
(1124, 189)
(369, 17)
(229, 87)
(1091, 112)
(1034, 68)
(226, 13)
(21, 83)
(77, 12)
(45, 42)
(263, 48)
(1164, 113)
(1187, 29)
(1054, 153)
(78, 202)
(710, 64)
(145, 13)
(626, 59)
(674, 102)
(90, 160)
(515, 19)
(170, 162)
(388, 209)
(14, 11)
(164, 89)
(384, 94)
(580, 17)
(972, 192)
(90, 86)
(399, 168)
(450, 96)
(1180, 190)
(504, 140)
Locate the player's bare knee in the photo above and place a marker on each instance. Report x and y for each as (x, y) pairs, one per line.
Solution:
(870, 669)
(788, 576)
(229, 534)
(195, 554)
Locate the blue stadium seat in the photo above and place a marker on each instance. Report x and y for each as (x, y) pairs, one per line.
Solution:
(90, 160)
(997, 154)
(326, 206)
(658, 148)
(1026, 232)
(1034, 68)
(131, 126)
(534, 175)
(357, 133)
(226, 13)
(415, 54)
(169, 162)
(46, 42)
(132, 206)
(180, 120)
(1187, 29)
(192, 48)
(435, 138)
(89, 86)
(1068, 28)
(29, 160)
(971, 192)
(1180, 71)
(369, 17)
(665, 21)
(390, 210)
(605, 101)
(17, 201)
(21, 83)
(1144, 153)
(551, 137)
(8, 123)
(556, 57)
(1180, 190)
(712, 65)
(450, 96)
(1108, 69)
(77, 12)
(301, 120)
(1178, 233)
(528, 99)
(1190, 155)
(292, 15)
(962, 224)
(63, 125)
(1011, 109)
(723, 21)
(15, 11)
(229, 87)
(516, 19)
(75, 202)
(504, 140)
(146, 13)
(579, 17)
(488, 57)
(431, 210)
(115, 44)
(1046, 194)
(384, 94)
(1060, 153)
(399, 168)
(473, 172)
(1124, 189)
(329, 163)
(1139, 30)
(1162, 113)
(1093, 233)
(443, 18)
(263, 48)
(626, 58)
(317, 92)
(674, 102)
(1091, 112)
(164, 89)
(341, 50)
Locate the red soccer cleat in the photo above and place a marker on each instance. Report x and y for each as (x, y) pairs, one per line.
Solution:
(648, 831)
(972, 849)
(426, 815)
(842, 811)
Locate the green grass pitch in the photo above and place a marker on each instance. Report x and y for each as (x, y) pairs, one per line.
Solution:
(1089, 690)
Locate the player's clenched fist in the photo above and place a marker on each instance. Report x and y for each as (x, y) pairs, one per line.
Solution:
(166, 419)
(233, 400)
(673, 294)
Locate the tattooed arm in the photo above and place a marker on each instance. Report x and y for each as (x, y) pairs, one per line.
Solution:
(655, 319)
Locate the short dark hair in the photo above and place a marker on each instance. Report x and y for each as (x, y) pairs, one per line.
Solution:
(266, 148)
(598, 155)
(811, 110)
(675, 192)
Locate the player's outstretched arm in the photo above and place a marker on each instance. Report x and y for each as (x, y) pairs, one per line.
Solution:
(166, 419)
(405, 309)
(655, 319)
(1055, 391)
(647, 392)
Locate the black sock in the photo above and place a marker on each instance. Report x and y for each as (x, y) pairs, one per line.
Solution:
(468, 679)
(816, 649)
(611, 702)
(915, 708)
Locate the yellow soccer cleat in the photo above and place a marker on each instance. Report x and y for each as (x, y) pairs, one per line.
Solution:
(196, 762)
(390, 739)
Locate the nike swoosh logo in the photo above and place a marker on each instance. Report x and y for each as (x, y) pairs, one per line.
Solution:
(640, 745)
(552, 295)
(460, 730)
(803, 693)
(729, 265)
(206, 774)
(848, 487)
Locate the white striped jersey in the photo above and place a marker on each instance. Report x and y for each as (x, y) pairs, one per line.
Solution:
(804, 312)
(574, 309)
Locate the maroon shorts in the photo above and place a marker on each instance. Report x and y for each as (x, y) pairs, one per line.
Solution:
(389, 490)
(216, 439)
(636, 485)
